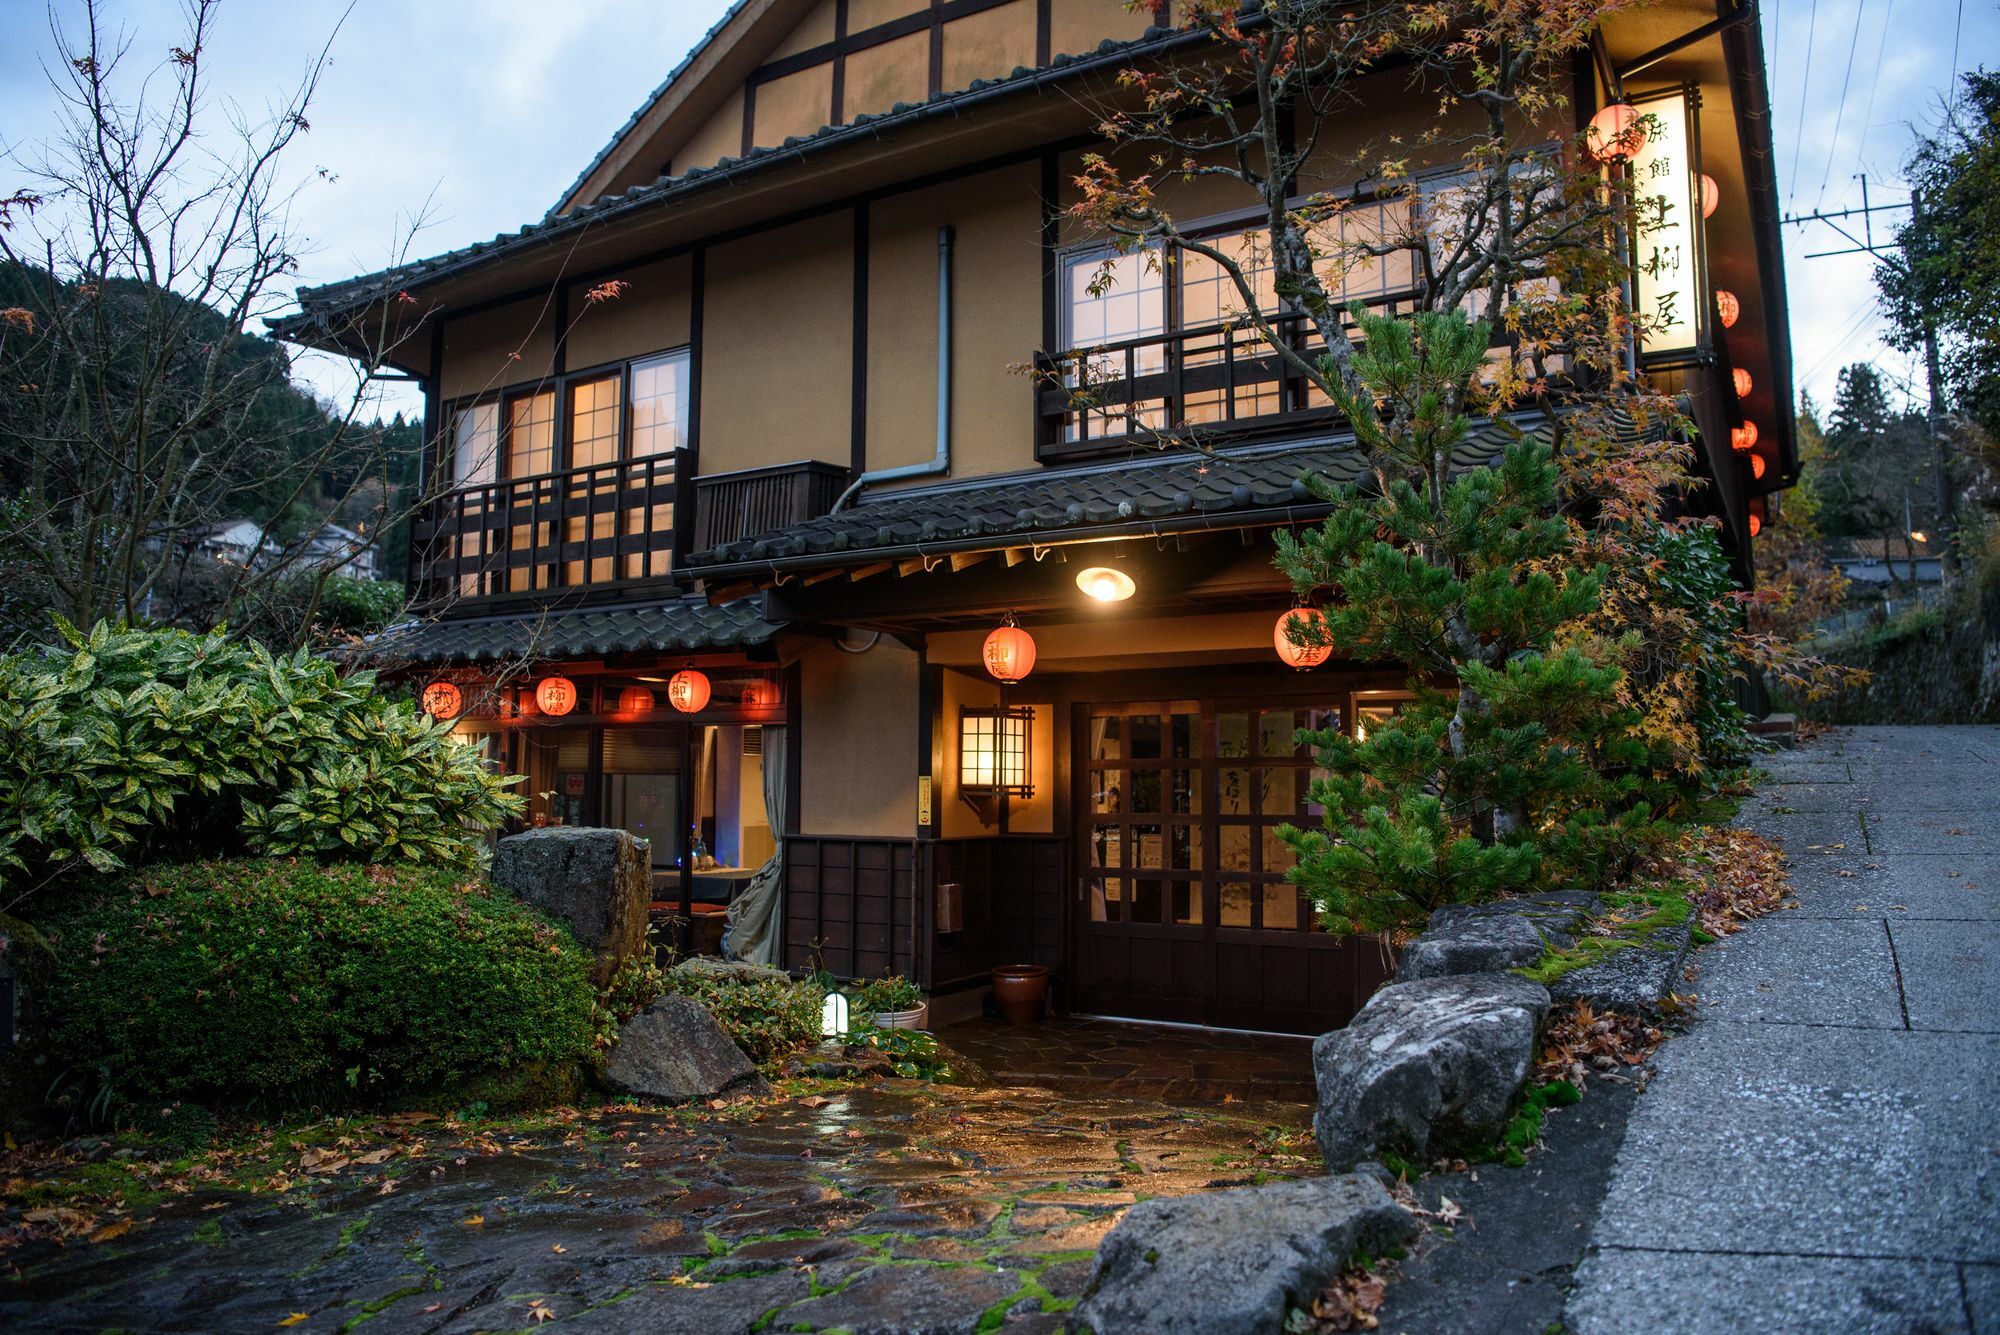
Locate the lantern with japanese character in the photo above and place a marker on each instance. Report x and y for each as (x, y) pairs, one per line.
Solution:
(1009, 652)
(443, 700)
(1301, 656)
(688, 691)
(555, 696)
(1743, 438)
(1728, 307)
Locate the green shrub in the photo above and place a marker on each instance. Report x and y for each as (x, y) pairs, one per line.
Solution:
(912, 1053)
(292, 981)
(881, 995)
(768, 1018)
(141, 745)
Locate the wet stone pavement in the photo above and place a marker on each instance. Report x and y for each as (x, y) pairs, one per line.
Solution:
(892, 1207)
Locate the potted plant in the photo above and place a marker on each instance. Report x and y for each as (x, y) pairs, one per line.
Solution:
(891, 1003)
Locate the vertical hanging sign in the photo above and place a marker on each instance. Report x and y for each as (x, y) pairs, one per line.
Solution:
(1667, 239)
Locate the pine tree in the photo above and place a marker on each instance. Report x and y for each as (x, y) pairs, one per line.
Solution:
(1458, 575)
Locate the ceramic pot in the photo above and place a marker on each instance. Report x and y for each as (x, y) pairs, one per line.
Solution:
(1020, 990)
(901, 1019)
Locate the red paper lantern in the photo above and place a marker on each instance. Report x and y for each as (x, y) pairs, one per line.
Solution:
(1614, 133)
(1009, 652)
(555, 696)
(688, 691)
(1711, 195)
(1756, 465)
(760, 694)
(443, 700)
(1756, 524)
(1301, 656)
(1744, 438)
(1743, 382)
(635, 700)
(1728, 307)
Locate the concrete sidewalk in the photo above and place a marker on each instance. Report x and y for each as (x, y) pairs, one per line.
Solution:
(1821, 1152)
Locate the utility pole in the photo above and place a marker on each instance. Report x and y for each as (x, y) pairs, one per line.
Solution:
(1933, 368)
(1947, 530)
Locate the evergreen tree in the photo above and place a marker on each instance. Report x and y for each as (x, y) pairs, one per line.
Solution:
(1496, 769)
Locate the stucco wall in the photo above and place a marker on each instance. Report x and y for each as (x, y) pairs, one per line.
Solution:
(649, 316)
(858, 758)
(480, 350)
(777, 355)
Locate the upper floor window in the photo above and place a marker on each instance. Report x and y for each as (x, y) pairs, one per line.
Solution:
(659, 404)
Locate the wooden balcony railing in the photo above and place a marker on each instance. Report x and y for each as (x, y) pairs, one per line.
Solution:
(730, 507)
(1223, 380)
(598, 528)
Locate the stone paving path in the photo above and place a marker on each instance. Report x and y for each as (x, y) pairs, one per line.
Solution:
(1821, 1152)
(897, 1207)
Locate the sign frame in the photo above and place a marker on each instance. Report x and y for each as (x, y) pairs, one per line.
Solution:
(1646, 253)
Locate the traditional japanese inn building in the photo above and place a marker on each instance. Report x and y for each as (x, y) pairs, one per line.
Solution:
(742, 466)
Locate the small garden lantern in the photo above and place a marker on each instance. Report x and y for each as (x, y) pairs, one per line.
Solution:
(555, 696)
(833, 1015)
(1728, 307)
(1009, 652)
(993, 746)
(1301, 656)
(688, 691)
(443, 701)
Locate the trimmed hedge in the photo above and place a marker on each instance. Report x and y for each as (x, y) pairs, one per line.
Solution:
(294, 982)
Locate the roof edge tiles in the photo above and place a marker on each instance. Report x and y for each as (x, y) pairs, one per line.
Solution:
(318, 304)
(685, 624)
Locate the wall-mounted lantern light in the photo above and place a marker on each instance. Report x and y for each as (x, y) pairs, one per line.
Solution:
(993, 750)
(1107, 584)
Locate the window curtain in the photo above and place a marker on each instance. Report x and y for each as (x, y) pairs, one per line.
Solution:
(752, 930)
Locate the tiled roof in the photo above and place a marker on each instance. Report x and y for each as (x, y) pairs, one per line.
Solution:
(684, 624)
(319, 303)
(1174, 492)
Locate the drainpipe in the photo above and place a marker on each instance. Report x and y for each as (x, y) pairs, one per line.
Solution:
(940, 463)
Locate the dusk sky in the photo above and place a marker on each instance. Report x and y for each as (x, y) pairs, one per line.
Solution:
(487, 109)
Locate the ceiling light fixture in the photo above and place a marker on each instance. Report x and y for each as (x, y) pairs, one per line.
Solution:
(1106, 584)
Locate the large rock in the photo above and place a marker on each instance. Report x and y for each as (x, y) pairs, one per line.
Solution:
(1428, 1068)
(729, 971)
(674, 1051)
(1636, 979)
(1490, 938)
(1234, 1262)
(597, 882)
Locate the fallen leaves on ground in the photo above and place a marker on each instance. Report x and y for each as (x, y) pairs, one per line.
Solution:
(1582, 1042)
(1732, 876)
(1350, 1303)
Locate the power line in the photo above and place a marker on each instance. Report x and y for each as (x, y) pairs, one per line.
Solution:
(1840, 107)
(1957, 27)
(1875, 79)
(1805, 87)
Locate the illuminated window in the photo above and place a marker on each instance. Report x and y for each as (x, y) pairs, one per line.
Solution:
(594, 421)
